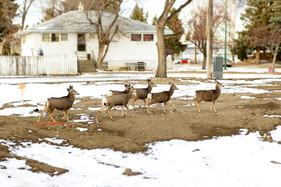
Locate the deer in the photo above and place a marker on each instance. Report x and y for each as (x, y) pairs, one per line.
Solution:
(60, 103)
(208, 96)
(141, 93)
(127, 89)
(161, 97)
(121, 99)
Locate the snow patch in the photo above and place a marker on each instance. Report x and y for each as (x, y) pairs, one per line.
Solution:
(223, 161)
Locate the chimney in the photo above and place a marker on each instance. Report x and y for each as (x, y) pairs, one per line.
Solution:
(80, 7)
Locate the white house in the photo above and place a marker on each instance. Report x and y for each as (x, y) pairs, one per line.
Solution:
(72, 34)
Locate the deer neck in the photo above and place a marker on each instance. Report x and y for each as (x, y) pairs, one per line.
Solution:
(127, 90)
(218, 90)
(171, 91)
(149, 88)
(71, 97)
(129, 93)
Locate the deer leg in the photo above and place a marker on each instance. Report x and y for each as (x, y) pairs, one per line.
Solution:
(51, 116)
(214, 107)
(39, 118)
(211, 107)
(109, 114)
(43, 111)
(99, 112)
(66, 114)
(122, 108)
(164, 108)
(127, 109)
(197, 106)
(133, 102)
(97, 116)
(148, 109)
(144, 104)
(173, 106)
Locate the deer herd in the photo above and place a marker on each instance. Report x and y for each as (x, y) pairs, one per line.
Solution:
(122, 98)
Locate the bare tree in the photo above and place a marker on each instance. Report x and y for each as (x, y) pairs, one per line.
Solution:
(165, 16)
(197, 28)
(53, 9)
(105, 31)
(24, 11)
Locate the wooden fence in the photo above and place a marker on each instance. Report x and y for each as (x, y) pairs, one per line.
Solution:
(38, 65)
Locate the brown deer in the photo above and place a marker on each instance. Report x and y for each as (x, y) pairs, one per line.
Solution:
(141, 93)
(60, 103)
(161, 97)
(209, 96)
(121, 99)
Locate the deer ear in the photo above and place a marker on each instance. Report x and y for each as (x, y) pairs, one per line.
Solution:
(68, 89)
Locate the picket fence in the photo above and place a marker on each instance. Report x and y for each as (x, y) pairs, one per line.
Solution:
(38, 65)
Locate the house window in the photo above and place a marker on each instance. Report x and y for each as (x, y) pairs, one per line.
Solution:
(54, 37)
(45, 37)
(64, 36)
(148, 37)
(136, 37)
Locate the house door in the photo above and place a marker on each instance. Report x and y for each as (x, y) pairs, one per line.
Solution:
(81, 42)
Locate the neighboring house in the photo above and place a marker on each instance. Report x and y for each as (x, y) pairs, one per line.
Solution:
(71, 33)
(189, 53)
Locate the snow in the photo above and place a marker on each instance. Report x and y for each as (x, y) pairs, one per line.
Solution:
(22, 111)
(241, 69)
(82, 129)
(247, 97)
(241, 160)
(54, 140)
(272, 116)
(276, 134)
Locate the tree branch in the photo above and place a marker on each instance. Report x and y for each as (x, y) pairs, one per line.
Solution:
(179, 9)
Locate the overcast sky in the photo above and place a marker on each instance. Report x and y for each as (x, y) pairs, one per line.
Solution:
(153, 7)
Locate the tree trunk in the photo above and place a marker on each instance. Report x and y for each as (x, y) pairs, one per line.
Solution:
(274, 58)
(204, 61)
(195, 54)
(101, 55)
(258, 56)
(161, 69)
(210, 40)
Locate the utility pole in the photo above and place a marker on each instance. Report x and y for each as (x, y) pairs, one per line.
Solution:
(225, 33)
(210, 40)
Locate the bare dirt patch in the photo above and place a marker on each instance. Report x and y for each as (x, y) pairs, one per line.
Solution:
(4, 152)
(36, 166)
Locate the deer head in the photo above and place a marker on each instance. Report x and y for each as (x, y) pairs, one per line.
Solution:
(72, 91)
(150, 83)
(173, 86)
(220, 85)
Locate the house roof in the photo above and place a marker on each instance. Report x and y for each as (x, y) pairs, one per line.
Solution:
(76, 21)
